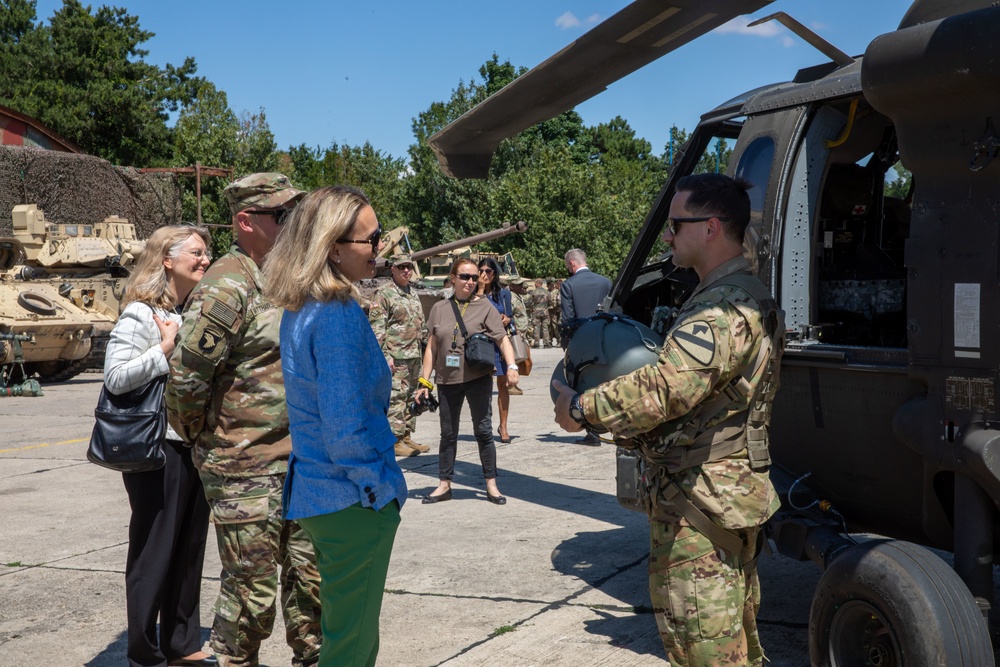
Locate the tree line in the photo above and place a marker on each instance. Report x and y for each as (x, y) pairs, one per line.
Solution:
(84, 75)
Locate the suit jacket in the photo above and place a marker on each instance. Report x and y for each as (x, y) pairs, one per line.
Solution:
(134, 356)
(581, 294)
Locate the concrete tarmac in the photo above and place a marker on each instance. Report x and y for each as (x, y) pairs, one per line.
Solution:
(556, 577)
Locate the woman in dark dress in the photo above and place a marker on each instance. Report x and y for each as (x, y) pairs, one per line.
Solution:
(491, 287)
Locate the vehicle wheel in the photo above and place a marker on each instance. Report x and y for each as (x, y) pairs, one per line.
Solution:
(888, 604)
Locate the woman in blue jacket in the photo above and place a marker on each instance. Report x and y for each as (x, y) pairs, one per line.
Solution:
(344, 486)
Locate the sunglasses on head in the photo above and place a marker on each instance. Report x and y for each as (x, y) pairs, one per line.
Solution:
(374, 239)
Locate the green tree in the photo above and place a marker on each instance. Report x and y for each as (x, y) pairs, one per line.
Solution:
(899, 187)
(208, 131)
(378, 174)
(84, 76)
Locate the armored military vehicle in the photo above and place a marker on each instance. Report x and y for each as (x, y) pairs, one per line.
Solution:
(887, 420)
(62, 284)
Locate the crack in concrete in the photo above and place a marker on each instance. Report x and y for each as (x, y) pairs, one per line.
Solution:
(564, 602)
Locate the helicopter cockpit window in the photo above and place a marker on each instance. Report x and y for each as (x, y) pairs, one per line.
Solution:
(755, 167)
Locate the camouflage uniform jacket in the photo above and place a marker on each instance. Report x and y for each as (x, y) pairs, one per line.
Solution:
(715, 337)
(555, 304)
(520, 317)
(397, 319)
(226, 393)
(539, 298)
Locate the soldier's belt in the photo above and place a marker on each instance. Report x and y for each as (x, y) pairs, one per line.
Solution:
(669, 492)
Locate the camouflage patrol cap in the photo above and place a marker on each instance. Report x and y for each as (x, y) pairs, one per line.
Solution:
(400, 258)
(549, 281)
(263, 190)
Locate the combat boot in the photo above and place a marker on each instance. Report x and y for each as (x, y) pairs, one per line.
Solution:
(416, 446)
(403, 449)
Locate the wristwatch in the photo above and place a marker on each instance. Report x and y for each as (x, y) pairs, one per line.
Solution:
(576, 411)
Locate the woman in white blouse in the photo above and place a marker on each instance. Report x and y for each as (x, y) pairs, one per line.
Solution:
(169, 524)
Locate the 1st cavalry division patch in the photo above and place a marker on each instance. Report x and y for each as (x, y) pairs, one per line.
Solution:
(697, 340)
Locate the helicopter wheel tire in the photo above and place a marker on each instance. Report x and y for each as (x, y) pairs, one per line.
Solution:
(889, 603)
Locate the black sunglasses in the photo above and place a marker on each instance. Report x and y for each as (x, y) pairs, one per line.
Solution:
(467, 276)
(374, 239)
(673, 222)
(280, 215)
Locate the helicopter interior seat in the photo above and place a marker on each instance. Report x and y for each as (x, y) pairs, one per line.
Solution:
(861, 280)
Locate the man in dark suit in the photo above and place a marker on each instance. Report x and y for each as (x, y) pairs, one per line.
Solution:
(580, 296)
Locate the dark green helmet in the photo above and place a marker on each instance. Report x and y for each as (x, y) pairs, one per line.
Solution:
(605, 347)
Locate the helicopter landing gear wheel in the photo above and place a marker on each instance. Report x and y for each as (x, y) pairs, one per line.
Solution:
(891, 603)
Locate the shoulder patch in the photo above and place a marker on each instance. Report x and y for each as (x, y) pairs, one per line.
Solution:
(222, 314)
(697, 340)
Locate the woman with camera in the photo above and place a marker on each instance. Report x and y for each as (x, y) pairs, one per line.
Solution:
(450, 324)
(344, 486)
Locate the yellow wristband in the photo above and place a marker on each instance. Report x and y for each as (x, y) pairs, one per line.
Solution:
(424, 382)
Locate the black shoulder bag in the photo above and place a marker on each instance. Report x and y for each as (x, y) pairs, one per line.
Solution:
(479, 351)
(130, 428)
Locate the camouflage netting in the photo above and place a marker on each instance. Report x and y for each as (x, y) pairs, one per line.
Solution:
(82, 189)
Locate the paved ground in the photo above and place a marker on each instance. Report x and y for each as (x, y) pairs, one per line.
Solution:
(555, 577)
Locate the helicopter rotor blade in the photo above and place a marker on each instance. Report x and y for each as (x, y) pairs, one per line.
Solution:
(637, 35)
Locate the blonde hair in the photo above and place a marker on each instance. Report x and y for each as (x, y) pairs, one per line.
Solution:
(459, 262)
(298, 267)
(148, 282)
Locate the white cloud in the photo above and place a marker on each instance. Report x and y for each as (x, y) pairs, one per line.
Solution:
(593, 19)
(567, 21)
(740, 26)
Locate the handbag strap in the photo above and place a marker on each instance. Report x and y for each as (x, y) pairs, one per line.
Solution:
(458, 318)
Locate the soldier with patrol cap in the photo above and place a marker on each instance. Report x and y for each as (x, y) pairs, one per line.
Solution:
(698, 419)
(398, 322)
(226, 398)
(540, 314)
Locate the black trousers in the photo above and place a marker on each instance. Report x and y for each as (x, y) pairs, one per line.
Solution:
(166, 551)
(479, 392)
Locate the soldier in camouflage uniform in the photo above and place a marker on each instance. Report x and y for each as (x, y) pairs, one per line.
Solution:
(522, 325)
(540, 314)
(398, 322)
(555, 310)
(226, 397)
(698, 421)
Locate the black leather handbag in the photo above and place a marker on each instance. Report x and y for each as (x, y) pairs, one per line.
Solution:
(480, 355)
(130, 429)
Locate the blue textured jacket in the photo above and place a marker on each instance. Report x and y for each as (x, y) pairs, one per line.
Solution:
(337, 387)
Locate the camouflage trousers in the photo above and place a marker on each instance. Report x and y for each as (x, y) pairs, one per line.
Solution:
(554, 318)
(253, 543)
(404, 384)
(705, 606)
(540, 328)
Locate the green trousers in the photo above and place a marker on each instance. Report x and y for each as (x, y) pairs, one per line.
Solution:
(353, 547)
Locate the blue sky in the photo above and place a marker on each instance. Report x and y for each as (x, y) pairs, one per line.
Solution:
(350, 72)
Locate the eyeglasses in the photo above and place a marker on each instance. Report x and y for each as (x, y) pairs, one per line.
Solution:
(404, 267)
(374, 239)
(199, 254)
(487, 270)
(467, 276)
(673, 222)
(280, 215)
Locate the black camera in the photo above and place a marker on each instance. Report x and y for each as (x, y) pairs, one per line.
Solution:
(418, 408)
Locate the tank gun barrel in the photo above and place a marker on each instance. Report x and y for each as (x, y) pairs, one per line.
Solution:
(507, 228)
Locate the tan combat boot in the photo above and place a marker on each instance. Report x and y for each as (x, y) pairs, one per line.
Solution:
(416, 446)
(403, 449)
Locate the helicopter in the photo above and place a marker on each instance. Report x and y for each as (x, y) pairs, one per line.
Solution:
(887, 420)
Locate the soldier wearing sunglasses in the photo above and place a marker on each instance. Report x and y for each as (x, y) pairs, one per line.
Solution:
(226, 398)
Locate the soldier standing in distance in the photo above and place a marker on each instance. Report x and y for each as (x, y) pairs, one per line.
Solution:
(226, 397)
(540, 314)
(522, 325)
(555, 311)
(698, 419)
(397, 320)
